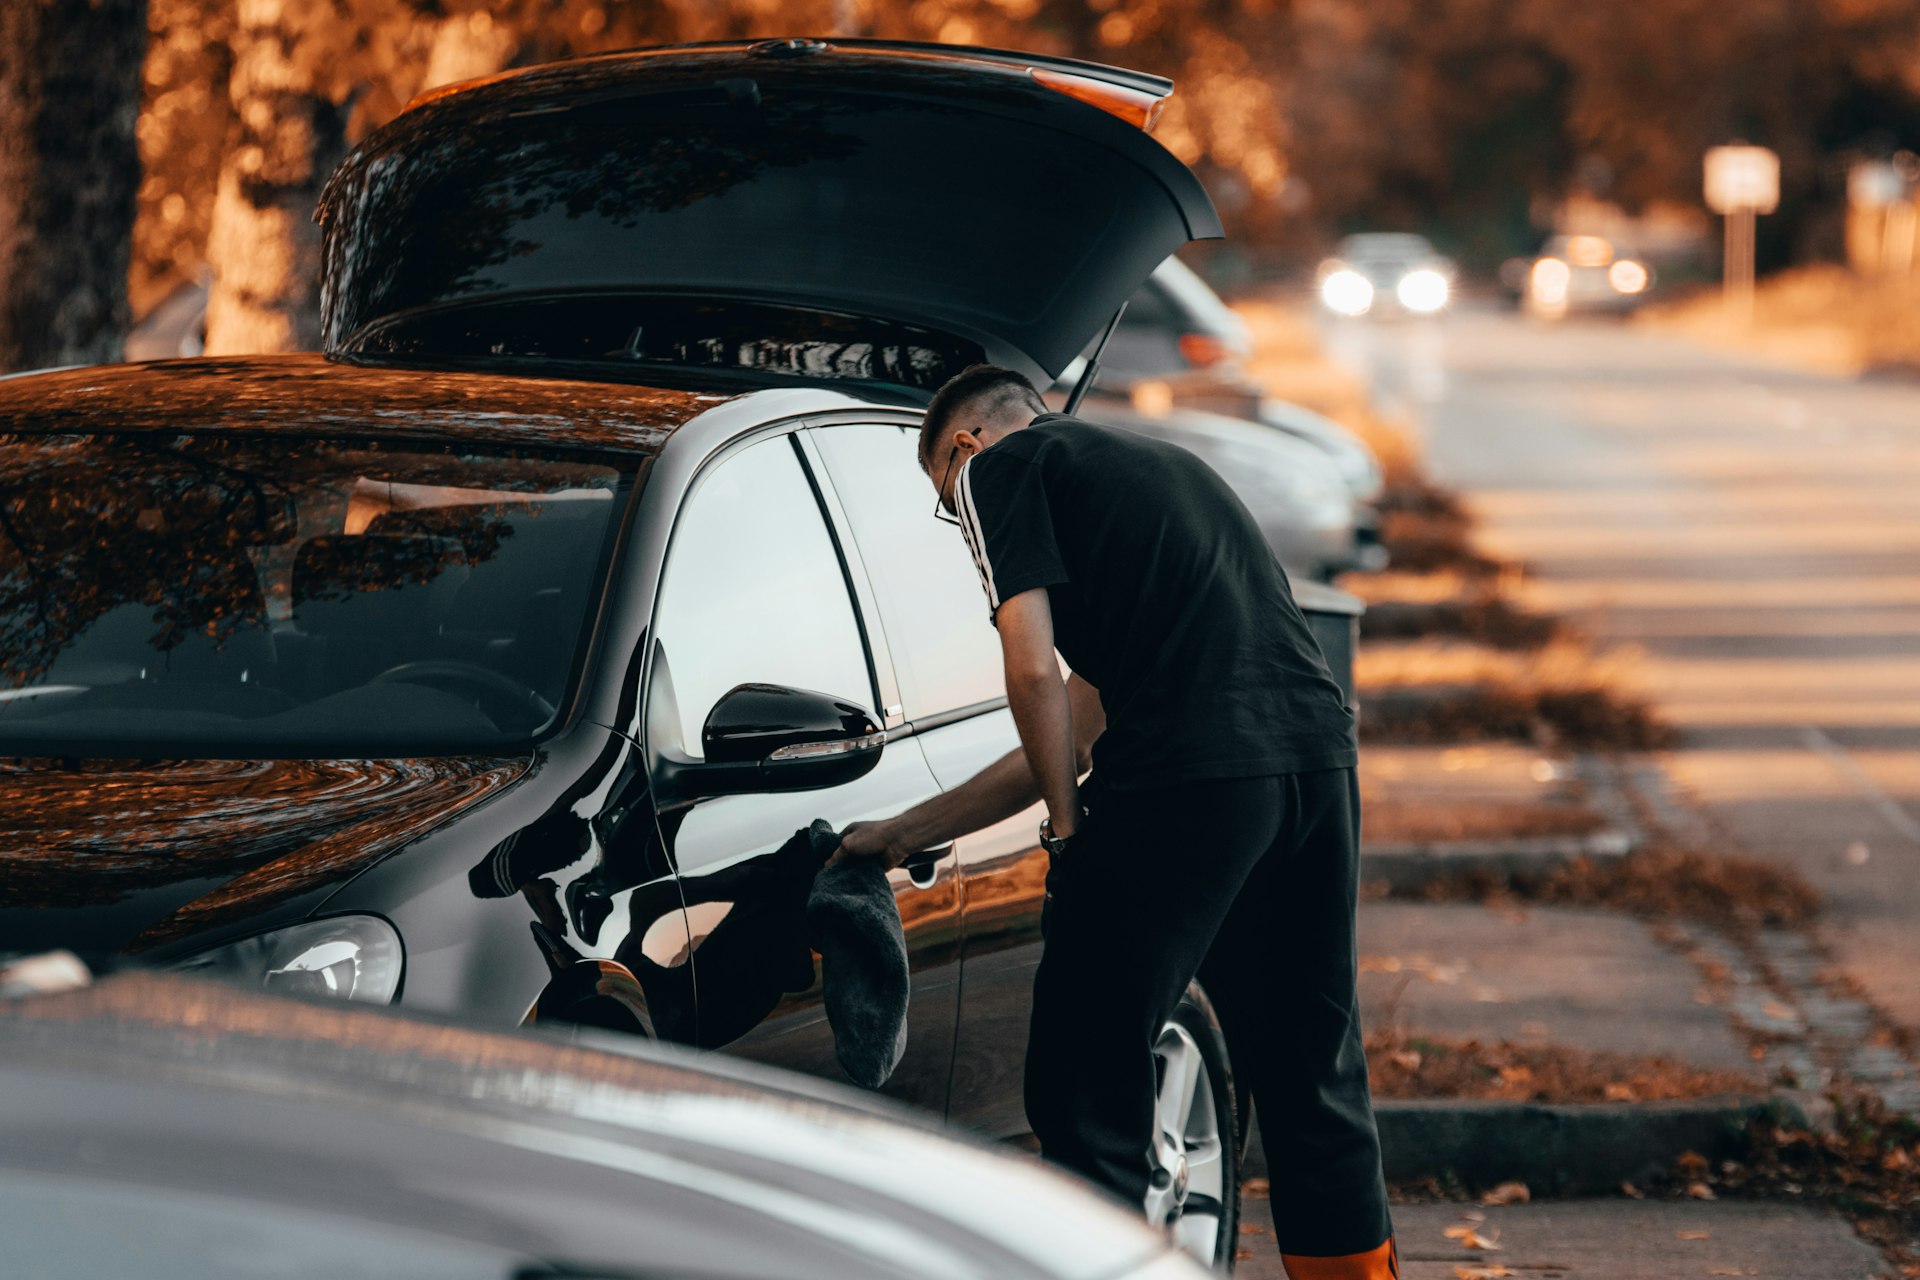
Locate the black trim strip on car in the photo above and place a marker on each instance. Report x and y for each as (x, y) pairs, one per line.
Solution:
(941, 719)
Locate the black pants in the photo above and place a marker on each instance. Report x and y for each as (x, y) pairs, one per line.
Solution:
(1250, 883)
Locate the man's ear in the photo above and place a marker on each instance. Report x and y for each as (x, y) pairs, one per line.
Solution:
(966, 434)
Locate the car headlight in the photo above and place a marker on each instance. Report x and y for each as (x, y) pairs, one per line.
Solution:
(345, 957)
(1347, 292)
(1424, 291)
(1627, 276)
(1549, 281)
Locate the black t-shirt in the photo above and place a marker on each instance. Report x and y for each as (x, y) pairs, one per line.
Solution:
(1165, 597)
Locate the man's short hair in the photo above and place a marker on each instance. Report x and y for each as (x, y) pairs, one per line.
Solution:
(986, 389)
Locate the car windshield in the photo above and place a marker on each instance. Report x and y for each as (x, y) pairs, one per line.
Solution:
(1385, 247)
(202, 595)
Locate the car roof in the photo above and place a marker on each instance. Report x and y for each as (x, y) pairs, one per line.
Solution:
(307, 394)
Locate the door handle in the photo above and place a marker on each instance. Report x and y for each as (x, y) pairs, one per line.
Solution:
(923, 868)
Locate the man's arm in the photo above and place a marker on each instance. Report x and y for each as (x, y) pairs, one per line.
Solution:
(997, 792)
(1037, 696)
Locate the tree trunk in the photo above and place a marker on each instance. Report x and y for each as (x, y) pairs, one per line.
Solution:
(69, 172)
(263, 245)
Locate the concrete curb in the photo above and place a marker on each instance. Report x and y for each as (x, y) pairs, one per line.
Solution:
(1405, 867)
(1557, 1149)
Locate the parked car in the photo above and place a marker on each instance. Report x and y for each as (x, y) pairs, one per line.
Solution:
(159, 1126)
(1174, 323)
(1583, 273)
(488, 663)
(1293, 490)
(1385, 274)
(1177, 334)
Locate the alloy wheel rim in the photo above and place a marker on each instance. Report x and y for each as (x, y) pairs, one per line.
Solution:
(1189, 1155)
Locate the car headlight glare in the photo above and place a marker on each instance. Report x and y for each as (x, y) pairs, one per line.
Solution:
(1347, 292)
(1627, 276)
(1424, 291)
(1549, 280)
(342, 957)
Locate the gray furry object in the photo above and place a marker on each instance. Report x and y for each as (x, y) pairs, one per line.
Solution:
(855, 927)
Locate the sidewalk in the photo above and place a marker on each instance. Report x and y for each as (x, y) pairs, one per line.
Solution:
(1617, 1239)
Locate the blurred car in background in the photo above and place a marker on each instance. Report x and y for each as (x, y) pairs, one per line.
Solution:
(1180, 348)
(1174, 324)
(159, 1126)
(1579, 273)
(1385, 274)
(1295, 493)
(1181, 344)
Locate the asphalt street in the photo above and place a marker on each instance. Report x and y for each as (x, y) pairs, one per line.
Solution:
(1753, 535)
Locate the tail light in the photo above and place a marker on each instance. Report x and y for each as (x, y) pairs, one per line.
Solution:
(1203, 349)
(1138, 108)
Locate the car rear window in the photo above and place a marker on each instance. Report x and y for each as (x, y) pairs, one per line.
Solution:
(207, 595)
(828, 200)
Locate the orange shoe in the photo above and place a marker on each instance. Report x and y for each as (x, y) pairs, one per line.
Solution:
(1382, 1263)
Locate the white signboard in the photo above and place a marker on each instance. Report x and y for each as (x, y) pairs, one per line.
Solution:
(1742, 178)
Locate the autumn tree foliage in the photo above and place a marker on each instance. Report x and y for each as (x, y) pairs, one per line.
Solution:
(1405, 110)
(1303, 116)
(285, 87)
(69, 94)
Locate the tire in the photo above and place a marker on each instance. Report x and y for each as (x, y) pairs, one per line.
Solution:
(1196, 1135)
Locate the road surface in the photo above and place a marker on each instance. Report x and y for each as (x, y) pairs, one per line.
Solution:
(1755, 533)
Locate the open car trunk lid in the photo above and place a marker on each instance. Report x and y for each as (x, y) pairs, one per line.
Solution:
(857, 209)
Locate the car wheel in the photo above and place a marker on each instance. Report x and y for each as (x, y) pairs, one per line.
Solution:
(1196, 1191)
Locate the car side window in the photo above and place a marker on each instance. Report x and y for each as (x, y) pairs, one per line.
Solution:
(754, 591)
(945, 650)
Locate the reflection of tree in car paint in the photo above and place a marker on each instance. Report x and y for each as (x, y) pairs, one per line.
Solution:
(93, 833)
(478, 197)
(144, 1015)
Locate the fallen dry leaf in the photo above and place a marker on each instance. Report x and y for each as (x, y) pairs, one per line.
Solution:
(1255, 1189)
(1619, 1091)
(1632, 1192)
(1407, 1059)
(1692, 1235)
(1493, 1272)
(1700, 1191)
(1508, 1193)
(1692, 1162)
(1470, 1238)
(1472, 1215)
(1252, 1229)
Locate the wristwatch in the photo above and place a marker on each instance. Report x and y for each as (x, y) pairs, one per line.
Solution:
(1054, 845)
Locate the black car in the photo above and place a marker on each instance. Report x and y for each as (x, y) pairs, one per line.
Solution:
(160, 1127)
(490, 662)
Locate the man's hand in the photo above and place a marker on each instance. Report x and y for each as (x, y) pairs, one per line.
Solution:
(880, 840)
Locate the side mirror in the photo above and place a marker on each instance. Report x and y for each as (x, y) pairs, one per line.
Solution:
(767, 737)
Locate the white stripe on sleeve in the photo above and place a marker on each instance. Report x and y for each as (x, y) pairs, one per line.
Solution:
(970, 526)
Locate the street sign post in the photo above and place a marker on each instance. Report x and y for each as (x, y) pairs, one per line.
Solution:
(1741, 182)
